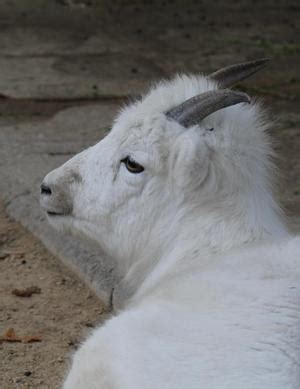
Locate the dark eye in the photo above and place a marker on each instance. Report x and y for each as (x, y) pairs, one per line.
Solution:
(132, 166)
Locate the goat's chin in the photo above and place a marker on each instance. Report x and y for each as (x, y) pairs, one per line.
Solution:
(61, 223)
(73, 226)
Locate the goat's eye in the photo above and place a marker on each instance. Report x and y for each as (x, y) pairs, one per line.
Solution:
(132, 166)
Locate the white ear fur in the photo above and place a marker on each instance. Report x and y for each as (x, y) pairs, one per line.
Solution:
(190, 159)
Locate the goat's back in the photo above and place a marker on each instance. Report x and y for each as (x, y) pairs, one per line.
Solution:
(235, 324)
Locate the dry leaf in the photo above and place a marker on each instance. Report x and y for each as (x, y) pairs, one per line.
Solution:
(10, 336)
(31, 339)
(27, 292)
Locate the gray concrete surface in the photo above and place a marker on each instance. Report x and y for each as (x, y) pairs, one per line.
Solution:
(65, 67)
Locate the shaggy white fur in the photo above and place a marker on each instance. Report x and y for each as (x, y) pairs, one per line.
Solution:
(212, 274)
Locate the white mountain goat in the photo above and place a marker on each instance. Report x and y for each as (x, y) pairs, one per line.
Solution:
(179, 193)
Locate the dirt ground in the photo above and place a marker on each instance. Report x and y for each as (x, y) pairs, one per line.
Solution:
(59, 316)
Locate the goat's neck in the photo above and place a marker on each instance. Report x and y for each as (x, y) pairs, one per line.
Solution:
(199, 237)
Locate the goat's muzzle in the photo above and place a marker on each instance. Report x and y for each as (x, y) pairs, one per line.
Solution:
(56, 201)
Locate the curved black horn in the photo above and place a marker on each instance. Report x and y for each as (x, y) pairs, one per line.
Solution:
(230, 75)
(195, 109)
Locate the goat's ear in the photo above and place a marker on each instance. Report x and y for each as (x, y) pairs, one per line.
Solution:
(189, 159)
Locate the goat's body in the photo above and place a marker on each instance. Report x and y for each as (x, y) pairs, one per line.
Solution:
(233, 322)
(180, 194)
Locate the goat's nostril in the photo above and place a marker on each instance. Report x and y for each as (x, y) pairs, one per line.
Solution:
(45, 190)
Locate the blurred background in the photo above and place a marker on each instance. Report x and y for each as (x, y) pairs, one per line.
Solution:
(66, 67)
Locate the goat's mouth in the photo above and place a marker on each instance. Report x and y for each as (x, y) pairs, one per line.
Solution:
(55, 214)
(54, 211)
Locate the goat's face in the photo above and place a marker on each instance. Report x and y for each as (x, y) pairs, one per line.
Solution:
(121, 191)
(132, 190)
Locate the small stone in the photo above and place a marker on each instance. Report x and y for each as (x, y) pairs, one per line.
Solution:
(73, 342)
(3, 256)
(27, 373)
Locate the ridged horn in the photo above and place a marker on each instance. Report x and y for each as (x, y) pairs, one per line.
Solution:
(195, 109)
(230, 75)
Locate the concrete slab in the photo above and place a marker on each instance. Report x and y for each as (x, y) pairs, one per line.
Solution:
(76, 77)
(83, 49)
